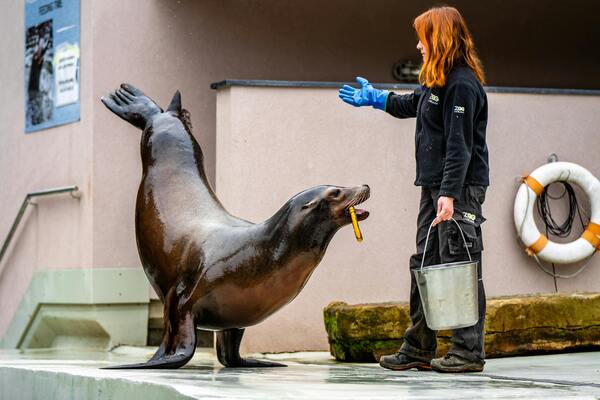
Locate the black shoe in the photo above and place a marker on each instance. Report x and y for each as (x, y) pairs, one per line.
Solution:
(401, 362)
(454, 363)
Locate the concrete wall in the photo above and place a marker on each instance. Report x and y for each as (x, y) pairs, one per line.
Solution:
(163, 45)
(57, 233)
(275, 142)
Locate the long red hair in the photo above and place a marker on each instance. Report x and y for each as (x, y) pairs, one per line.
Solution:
(447, 40)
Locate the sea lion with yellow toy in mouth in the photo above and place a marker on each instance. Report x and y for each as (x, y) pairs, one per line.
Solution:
(211, 269)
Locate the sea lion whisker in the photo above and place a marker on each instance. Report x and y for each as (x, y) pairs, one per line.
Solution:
(352, 203)
(362, 197)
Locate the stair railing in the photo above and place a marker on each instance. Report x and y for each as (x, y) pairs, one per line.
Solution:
(27, 201)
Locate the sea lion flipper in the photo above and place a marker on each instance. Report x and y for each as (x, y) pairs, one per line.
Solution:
(182, 355)
(179, 340)
(167, 362)
(132, 105)
(228, 351)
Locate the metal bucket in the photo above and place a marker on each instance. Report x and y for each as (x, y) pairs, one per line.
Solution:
(449, 292)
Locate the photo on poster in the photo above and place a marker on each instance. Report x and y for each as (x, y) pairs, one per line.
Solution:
(51, 63)
(39, 71)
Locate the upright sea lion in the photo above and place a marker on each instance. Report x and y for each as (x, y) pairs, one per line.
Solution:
(213, 270)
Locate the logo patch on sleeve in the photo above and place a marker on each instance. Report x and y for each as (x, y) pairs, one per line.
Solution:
(459, 109)
(433, 99)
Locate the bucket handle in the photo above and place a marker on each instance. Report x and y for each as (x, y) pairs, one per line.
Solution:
(427, 240)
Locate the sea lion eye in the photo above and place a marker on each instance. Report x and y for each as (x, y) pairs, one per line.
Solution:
(308, 205)
(335, 193)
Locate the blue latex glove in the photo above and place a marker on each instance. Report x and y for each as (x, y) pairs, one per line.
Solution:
(367, 95)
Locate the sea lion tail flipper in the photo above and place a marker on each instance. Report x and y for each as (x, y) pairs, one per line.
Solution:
(132, 105)
(228, 351)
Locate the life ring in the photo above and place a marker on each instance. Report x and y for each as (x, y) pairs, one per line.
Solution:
(536, 243)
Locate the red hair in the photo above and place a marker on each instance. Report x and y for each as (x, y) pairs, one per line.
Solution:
(447, 40)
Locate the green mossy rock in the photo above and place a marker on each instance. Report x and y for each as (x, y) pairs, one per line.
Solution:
(514, 326)
(356, 331)
(542, 323)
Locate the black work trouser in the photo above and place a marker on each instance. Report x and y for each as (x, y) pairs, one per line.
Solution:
(446, 245)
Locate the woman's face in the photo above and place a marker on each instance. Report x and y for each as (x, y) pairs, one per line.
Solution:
(421, 48)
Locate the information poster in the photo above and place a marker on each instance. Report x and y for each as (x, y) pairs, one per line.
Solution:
(52, 73)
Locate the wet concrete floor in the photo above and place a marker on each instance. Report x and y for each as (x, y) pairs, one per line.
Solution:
(311, 375)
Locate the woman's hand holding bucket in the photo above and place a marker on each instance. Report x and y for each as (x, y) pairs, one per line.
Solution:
(445, 210)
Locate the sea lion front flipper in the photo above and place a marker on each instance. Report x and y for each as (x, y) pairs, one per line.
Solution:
(132, 105)
(179, 339)
(167, 362)
(228, 351)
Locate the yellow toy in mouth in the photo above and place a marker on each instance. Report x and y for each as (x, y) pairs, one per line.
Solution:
(357, 232)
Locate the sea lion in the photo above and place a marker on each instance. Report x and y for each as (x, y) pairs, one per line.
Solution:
(211, 269)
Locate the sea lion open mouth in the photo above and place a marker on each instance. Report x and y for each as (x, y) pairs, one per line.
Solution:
(361, 214)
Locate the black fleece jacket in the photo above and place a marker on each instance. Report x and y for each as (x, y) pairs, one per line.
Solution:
(451, 150)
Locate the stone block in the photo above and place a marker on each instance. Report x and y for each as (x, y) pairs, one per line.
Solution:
(515, 325)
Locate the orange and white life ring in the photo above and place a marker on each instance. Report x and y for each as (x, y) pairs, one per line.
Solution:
(538, 244)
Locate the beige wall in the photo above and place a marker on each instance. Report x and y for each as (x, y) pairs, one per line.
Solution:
(162, 45)
(57, 232)
(275, 142)
(166, 45)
